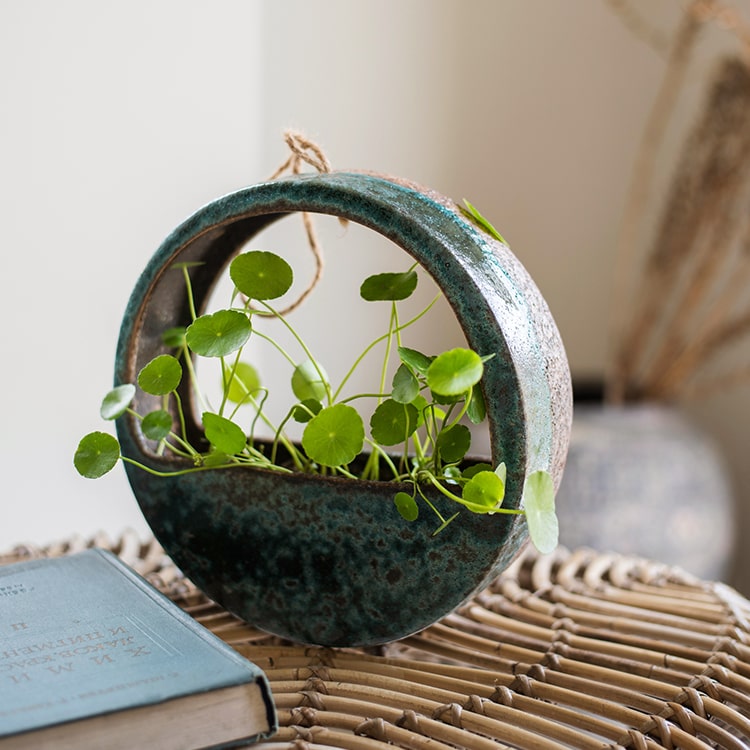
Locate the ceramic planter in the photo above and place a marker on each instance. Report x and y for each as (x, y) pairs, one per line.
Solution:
(330, 561)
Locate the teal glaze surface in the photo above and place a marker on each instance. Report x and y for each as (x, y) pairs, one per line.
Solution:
(330, 561)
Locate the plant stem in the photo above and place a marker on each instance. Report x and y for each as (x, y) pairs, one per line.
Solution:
(392, 321)
(374, 343)
(193, 379)
(304, 347)
(280, 438)
(189, 291)
(361, 395)
(225, 381)
(463, 410)
(288, 357)
(436, 483)
(192, 469)
(377, 448)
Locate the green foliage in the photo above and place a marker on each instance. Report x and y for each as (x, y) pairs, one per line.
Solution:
(174, 338)
(97, 453)
(455, 372)
(161, 375)
(405, 385)
(389, 286)
(117, 401)
(453, 443)
(218, 334)
(472, 213)
(156, 425)
(539, 502)
(421, 418)
(418, 362)
(334, 436)
(484, 492)
(244, 381)
(476, 410)
(309, 381)
(393, 422)
(406, 506)
(306, 409)
(223, 434)
(260, 275)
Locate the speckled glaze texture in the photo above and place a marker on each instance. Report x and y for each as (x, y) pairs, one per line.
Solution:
(330, 561)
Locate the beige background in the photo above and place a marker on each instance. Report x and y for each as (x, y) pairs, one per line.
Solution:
(119, 120)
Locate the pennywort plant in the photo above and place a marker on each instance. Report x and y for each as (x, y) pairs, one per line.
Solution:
(416, 435)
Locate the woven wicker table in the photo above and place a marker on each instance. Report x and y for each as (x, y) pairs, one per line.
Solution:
(572, 650)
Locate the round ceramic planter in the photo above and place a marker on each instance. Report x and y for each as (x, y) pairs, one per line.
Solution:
(326, 560)
(642, 479)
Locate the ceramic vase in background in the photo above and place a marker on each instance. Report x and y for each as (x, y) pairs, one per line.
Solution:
(642, 479)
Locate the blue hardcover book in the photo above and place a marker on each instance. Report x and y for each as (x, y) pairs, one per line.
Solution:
(92, 656)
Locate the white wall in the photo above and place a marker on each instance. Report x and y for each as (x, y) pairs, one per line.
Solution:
(118, 121)
(121, 120)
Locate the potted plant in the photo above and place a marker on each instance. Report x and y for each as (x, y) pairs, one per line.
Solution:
(363, 532)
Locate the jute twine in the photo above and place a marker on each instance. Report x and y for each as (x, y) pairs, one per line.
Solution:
(304, 151)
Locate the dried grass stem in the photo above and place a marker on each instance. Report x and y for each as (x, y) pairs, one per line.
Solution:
(696, 273)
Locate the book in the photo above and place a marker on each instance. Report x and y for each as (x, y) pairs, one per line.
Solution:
(93, 656)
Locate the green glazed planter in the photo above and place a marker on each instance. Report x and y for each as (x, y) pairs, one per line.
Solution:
(330, 561)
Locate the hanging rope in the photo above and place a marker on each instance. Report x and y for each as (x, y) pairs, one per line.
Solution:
(304, 151)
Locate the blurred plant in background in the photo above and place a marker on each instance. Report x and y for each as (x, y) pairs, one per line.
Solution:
(687, 313)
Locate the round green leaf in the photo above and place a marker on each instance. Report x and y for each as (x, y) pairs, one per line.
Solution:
(335, 436)
(484, 492)
(261, 275)
(405, 385)
(455, 372)
(539, 504)
(245, 381)
(307, 382)
(306, 410)
(97, 453)
(161, 375)
(218, 334)
(393, 423)
(174, 337)
(388, 286)
(223, 434)
(406, 506)
(156, 425)
(416, 360)
(453, 443)
(117, 401)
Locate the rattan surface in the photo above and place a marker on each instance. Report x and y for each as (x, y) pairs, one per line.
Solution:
(572, 650)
